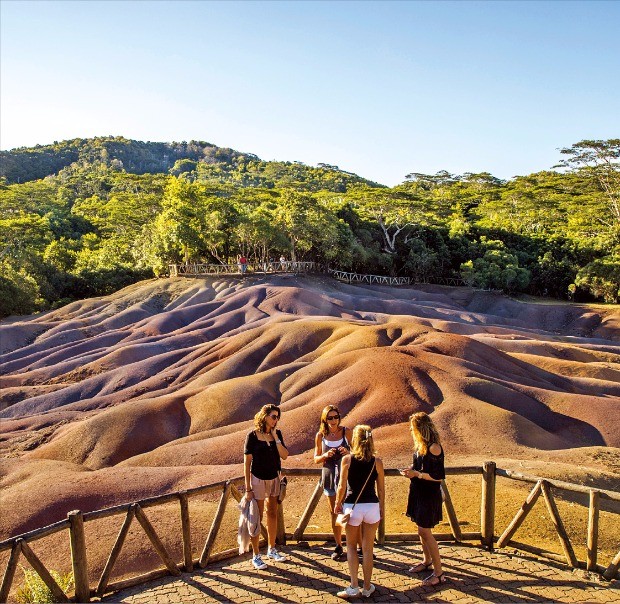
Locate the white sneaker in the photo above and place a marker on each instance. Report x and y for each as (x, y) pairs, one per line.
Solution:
(349, 592)
(275, 555)
(257, 563)
(368, 592)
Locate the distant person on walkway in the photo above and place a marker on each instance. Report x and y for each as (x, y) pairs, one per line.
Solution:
(264, 450)
(331, 443)
(243, 264)
(283, 262)
(360, 472)
(424, 504)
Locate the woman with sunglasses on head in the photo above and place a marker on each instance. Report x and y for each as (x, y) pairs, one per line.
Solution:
(425, 500)
(264, 450)
(331, 444)
(360, 472)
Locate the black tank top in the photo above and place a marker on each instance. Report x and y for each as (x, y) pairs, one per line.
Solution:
(358, 473)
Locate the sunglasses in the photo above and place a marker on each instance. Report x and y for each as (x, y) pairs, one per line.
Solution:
(331, 417)
(274, 416)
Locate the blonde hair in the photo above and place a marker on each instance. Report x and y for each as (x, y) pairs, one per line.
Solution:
(260, 419)
(324, 428)
(362, 444)
(423, 431)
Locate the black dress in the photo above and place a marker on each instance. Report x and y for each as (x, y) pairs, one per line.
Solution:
(424, 503)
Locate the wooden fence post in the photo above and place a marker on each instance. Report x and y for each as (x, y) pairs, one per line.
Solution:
(452, 518)
(281, 531)
(40, 569)
(116, 550)
(559, 525)
(187, 535)
(612, 569)
(9, 573)
(156, 541)
(78, 556)
(592, 543)
(516, 522)
(305, 517)
(487, 504)
(215, 526)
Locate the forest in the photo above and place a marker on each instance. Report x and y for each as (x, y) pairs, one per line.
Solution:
(86, 217)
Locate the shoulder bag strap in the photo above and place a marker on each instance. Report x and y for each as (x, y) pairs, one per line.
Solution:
(365, 483)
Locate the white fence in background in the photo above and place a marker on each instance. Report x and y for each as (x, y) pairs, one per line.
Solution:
(194, 269)
(379, 279)
(177, 270)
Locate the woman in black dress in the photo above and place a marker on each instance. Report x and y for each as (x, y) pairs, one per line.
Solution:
(425, 500)
(264, 448)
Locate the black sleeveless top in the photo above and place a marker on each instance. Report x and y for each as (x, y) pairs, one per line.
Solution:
(358, 473)
(266, 463)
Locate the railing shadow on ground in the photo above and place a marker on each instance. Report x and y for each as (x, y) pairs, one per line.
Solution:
(135, 512)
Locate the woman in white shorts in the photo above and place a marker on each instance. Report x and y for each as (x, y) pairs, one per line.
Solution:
(361, 490)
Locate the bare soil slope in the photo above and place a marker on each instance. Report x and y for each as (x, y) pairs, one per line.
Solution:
(153, 389)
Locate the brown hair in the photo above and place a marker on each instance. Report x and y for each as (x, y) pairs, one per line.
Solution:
(324, 428)
(423, 431)
(260, 419)
(362, 444)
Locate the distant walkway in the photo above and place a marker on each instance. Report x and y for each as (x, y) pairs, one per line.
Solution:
(265, 268)
(311, 577)
(178, 270)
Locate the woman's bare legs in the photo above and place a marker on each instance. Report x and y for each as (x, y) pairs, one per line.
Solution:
(272, 520)
(368, 541)
(336, 528)
(352, 559)
(430, 548)
(426, 555)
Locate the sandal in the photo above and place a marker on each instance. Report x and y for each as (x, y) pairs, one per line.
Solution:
(428, 582)
(420, 567)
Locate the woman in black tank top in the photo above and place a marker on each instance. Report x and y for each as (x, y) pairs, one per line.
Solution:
(424, 503)
(361, 490)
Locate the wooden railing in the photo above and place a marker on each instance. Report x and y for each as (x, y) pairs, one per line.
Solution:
(74, 523)
(385, 280)
(194, 268)
(370, 279)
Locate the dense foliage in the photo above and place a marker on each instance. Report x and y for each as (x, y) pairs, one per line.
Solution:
(86, 217)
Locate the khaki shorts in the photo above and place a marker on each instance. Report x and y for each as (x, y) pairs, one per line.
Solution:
(265, 488)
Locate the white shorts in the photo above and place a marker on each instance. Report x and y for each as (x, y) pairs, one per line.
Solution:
(370, 513)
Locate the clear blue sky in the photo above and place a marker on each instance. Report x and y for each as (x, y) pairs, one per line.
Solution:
(378, 88)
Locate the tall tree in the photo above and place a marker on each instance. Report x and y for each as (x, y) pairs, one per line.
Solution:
(600, 160)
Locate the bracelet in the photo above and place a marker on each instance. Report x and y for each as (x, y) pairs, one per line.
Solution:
(278, 442)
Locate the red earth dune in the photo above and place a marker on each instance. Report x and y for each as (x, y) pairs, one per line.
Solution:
(154, 388)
